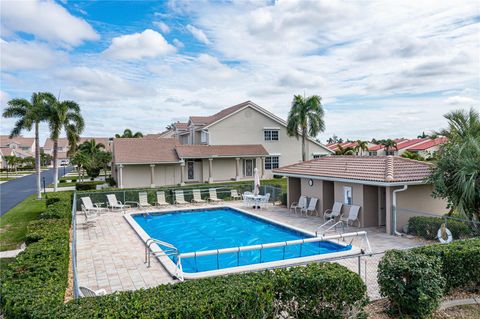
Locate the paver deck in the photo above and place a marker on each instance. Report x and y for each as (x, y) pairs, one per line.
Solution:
(110, 255)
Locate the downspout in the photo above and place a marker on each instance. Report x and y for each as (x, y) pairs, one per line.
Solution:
(394, 210)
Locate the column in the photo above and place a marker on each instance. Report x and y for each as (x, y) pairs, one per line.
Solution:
(210, 170)
(152, 175)
(120, 176)
(263, 167)
(237, 168)
(388, 210)
(182, 173)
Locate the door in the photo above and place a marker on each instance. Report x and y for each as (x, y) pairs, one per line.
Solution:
(249, 166)
(190, 170)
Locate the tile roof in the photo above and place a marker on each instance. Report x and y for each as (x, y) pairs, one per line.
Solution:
(63, 142)
(384, 169)
(203, 151)
(20, 140)
(205, 120)
(428, 144)
(181, 126)
(380, 146)
(144, 150)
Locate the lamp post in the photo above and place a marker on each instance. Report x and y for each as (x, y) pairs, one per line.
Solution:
(44, 188)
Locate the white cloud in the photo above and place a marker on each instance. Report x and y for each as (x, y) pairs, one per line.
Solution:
(179, 44)
(29, 55)
(162, 26)
(461, 101)
(46, 20)
(198, 34)
(147, 44)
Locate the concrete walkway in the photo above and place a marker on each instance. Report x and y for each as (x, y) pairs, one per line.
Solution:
(459, 302)
(12, 253)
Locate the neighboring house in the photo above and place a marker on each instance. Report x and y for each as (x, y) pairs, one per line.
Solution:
(368, 182)
(335, 146)
(429, 147)
(228, 145)
(63, 147)
(402, 146)
(17, 146)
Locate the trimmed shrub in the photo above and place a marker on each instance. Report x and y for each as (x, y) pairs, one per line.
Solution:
(52, 200)
(427, 227)
(460, 262)
(111, 181)
(412, 282)
(85, 186)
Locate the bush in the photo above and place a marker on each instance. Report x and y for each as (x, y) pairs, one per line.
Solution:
(111, 181)
(412, 282)
(85, 186)
(52, 200)
(58, 206)
(460, 262)
(427, 227)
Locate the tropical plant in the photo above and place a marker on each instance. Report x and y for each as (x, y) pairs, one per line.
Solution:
(45, 159)
(389, 145)
(127, 133)
(28, 161)
(91, 156)
(412, 155)
(63, 115)
(334, 139)
(456, 174)
(29, 114)
(305, 118)
(423, 135)
(344, 150)
(12, 162)
(360, 147)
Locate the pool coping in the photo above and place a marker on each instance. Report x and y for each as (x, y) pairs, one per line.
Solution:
(172, 269)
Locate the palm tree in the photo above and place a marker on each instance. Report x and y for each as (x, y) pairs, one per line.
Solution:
(91, 146)
(462, 125)
(360, 147)
(389, 144)
(29, 114)
(305, 118)
(63, 115)
(127, 133)
(344, 151)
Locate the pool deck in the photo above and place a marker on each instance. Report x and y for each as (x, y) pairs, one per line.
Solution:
(110, 255)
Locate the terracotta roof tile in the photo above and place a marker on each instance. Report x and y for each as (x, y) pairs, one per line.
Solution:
(379, 146)
(144, 150)
(374, 169)
(20, 140)
(63, 142)
(205, 120)
(202, 151)
(428, 144)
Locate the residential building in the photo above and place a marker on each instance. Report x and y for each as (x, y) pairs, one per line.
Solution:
(225, 146)
(384, 187)
(63, 147)
(429, 147)
(18, 146)
(402, 146)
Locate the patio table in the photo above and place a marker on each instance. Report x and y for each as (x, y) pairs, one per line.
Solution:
(255, 199)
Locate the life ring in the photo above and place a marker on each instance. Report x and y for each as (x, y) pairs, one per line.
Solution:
(444, 230)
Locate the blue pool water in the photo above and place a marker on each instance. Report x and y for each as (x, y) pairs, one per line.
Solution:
(207, 229)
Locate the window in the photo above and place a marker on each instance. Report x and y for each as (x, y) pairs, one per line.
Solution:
(372, 153)
(204, 137)
(271, 162)
(390, 153)
(318, 155)
(271, 135)
(347, 195)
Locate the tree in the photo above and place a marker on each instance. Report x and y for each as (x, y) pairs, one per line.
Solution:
(334, 139)
(12, 162)
(389, 144)
(29, 114)
(456, 174)
(28, 161)
(127, 133)
(63, 115)
(360, 147)
(344, 151)
(412, 155)
(423, 135)
(45, 159)
(92, 157)
(305, 118)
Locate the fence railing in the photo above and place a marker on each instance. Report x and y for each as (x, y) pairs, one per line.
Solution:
(223, 192)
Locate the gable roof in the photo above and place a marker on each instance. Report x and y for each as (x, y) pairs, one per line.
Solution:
(5, 140)
(206, 151)
(380, 146)
(428, 144)
(386, 170)
(63, 142)
(144, 150)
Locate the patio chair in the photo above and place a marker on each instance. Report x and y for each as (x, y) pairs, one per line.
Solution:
(87, 292)
(179, 197)
(113, 203)
(161, 199)
(264, 200)
(312, 207)
(212, 192)
(352, 215)
(334, 212)
(142, 200)
(247, 200)
(301, 204)
(90, 218)
(234, 194)
(88, 206)
(197, 196)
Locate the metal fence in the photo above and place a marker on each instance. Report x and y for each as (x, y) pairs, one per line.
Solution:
(223, 192)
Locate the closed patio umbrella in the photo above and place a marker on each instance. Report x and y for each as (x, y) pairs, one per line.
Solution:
(256, 188)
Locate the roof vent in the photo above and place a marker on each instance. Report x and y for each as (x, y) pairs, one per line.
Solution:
(389, 169)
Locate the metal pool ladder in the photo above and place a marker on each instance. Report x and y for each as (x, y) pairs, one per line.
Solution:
(167, 250)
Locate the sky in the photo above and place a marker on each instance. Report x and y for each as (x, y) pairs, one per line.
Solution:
(383, 68)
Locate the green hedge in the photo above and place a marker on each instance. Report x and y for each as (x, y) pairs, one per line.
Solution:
(460, 261)
(315, 291)
(412, 282)
(85, 186)
(427, 227)
(33, 286)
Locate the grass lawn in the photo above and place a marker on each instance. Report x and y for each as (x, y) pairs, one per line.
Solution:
(13, 225)
(74, 183)
(6, 179)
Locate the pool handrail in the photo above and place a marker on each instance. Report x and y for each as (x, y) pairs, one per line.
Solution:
(170, 251)
(334, 226)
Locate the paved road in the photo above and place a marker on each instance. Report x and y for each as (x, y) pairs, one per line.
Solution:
(14, 191)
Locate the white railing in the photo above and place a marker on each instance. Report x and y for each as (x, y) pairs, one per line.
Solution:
(334, 226)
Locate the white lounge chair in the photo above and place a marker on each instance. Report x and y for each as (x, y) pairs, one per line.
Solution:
(142, 200)
(212, 192)
(113, 203)
(301, 204)
(264, 200)
(88, 206)
(334, 212)
(179, 197)
(90, 218)
(161, 199)
(352, 215)
(87, 292)
(234, 194)
(197, 196)
(312, 207)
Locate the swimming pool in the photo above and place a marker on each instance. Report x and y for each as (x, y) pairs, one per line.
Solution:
(221, 228)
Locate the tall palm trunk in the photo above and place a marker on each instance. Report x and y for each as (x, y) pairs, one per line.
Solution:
(55, 164)
(304, 151)
(37, 162)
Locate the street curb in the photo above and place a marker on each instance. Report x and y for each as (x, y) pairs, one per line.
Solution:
(459, 302)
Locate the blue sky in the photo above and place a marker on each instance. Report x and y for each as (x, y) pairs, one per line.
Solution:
(383, 69)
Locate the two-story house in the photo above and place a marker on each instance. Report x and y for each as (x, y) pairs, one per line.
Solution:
(63, 147)
(18, 146)
(225, 146)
